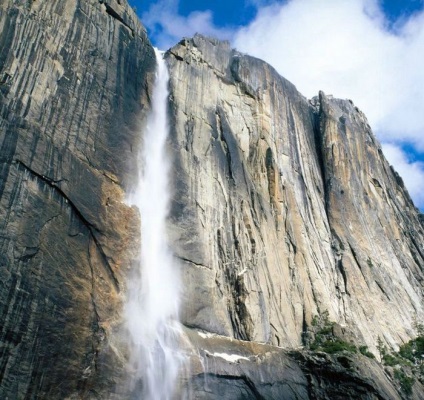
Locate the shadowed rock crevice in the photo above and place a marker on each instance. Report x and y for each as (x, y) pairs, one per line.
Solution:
(242, 386)
(193, 262)
(110, 10)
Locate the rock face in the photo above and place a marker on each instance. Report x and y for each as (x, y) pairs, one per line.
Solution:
(233, 369)
(284, 210)
(74, 78)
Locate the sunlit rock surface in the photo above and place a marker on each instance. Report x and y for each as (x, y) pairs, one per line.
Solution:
(283, 209)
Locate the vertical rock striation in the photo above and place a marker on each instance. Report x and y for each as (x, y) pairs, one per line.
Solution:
(74, 81)
(377, 235)
(285, 208)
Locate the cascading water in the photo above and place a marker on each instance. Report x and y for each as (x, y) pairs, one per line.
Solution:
(153, 293)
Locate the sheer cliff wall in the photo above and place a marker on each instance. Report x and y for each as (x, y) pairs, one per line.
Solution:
(285, 208)
(74, 80)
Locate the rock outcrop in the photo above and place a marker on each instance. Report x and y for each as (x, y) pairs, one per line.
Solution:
(74, 79)
(233, 369)
(284, 210)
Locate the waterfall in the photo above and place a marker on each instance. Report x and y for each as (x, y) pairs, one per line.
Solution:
(153, 292)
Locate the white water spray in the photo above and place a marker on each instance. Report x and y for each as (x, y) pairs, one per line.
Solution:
(153, 294)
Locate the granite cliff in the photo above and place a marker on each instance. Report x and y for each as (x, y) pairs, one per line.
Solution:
(269, 185)
(74, 85)
(286, 217)
(285, 210)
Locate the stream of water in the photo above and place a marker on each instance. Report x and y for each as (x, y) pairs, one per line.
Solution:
(154, 291)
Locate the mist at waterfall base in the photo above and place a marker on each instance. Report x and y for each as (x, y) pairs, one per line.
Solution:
(153, 291)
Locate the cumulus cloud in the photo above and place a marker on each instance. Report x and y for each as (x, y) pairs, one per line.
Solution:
(348, 49)
(167, 26)
(345, 48)
(412, 172)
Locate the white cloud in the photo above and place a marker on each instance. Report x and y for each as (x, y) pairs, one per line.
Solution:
(345, 48)
(412, 173)
(168, 27)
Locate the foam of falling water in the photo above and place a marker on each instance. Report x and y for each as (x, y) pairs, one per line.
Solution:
(154, 290)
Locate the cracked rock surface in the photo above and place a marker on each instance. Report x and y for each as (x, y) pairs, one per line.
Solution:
(232, 369)
(74, 81)
(285, 208)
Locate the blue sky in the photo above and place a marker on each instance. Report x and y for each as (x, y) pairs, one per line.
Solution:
(370, 51)
(235, 13)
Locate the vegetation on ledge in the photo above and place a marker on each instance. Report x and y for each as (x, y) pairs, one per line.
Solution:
(405, 366)
(408, 362)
